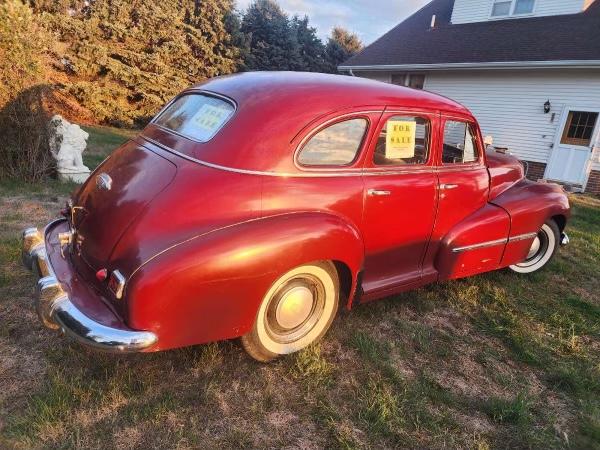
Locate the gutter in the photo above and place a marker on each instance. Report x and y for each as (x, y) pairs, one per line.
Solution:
(506, 65)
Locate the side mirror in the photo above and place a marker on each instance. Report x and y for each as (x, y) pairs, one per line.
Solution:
(488, 140)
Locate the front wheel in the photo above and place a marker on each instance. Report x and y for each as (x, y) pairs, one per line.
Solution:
(296, 311)
(542, 249)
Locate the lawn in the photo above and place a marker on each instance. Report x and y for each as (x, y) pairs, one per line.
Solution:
(495, 361)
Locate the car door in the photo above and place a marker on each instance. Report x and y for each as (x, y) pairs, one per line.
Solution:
(463, 179)
(400, 196)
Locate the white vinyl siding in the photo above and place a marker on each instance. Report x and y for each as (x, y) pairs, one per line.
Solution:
(509, 105)
(466, 11)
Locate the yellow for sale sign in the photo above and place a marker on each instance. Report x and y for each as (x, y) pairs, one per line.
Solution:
(400, 139)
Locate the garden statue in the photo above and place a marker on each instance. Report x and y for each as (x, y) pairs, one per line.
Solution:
(67, 143)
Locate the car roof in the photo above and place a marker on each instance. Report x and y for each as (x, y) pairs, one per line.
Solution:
(274, 108)
(333, 91)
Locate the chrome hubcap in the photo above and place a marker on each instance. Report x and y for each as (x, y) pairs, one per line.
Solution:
(535, 247)
(294, 307)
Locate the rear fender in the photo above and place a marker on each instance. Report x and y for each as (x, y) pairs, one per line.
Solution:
(210, 287)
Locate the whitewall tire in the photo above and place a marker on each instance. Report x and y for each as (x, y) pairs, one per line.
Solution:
(296, 311)
(542, 249)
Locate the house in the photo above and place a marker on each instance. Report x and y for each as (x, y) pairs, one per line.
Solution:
(529, 70)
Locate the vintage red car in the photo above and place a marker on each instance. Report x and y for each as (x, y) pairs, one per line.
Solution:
(256, 205)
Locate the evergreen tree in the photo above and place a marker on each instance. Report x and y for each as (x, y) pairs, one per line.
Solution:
(341, 45)
(125, 59)
(239, 40)
(272, 44)
(311, 49)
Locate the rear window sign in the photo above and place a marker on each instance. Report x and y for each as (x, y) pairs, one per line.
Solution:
(400, 139)
(196, 116)
(209, 118)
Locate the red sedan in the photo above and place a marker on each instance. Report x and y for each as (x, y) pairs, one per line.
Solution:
(257, 205)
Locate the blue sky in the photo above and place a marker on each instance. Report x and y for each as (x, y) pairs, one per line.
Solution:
(369, 19)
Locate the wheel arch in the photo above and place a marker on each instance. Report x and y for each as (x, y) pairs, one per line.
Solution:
(561, 221)
(215, 283)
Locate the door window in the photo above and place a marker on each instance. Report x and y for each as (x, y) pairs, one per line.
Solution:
(403, 140)
(459, 143)
(336, 145)
(579, 128)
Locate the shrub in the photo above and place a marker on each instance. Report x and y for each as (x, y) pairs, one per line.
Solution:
(25, 153)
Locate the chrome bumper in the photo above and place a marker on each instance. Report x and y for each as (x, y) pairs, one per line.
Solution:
(57, 311)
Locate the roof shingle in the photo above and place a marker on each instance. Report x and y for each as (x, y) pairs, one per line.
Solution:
(552, 38)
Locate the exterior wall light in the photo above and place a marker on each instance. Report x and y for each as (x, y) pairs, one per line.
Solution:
(547, 107)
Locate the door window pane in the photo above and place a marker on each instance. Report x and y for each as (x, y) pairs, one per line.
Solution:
(459, 143)
(579, 128)
(336, 145)
(403, 140)
(524, 6)
(501, 8)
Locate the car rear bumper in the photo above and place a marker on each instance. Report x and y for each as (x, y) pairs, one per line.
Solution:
(64, 302)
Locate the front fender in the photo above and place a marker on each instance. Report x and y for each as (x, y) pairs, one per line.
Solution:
(529, 205)
(209, 287)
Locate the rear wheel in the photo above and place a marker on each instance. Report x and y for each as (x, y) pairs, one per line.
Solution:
(542, 249)
(296, 311)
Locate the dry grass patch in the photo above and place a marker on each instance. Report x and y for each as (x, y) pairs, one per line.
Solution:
(494, 361)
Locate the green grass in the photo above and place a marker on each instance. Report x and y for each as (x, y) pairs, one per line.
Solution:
(516, 411)
(494, 361)
(102, 141)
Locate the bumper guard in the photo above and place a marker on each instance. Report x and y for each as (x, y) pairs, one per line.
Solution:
(57, 311)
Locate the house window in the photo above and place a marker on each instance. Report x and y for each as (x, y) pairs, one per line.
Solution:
(399, 79)
(579, 128)
(416, 81)
(503, 8)
(412, 80)
(523, 7)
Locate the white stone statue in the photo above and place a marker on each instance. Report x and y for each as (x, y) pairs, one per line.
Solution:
(67, 143)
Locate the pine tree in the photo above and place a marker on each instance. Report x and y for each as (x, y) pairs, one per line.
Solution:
(311, 49)
(127, 58)
(272, 44)
(341, 45)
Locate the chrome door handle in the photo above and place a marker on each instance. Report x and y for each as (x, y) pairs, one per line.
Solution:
(378, 193)
(448, 186)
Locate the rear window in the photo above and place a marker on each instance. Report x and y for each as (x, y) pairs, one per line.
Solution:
(196, 116)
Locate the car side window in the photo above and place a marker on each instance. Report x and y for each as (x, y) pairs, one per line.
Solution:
(336, 145)
(403, 140)
(459, 143)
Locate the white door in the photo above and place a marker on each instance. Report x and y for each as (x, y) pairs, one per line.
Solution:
(569, 162)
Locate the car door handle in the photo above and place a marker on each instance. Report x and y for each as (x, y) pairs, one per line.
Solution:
(448, 186)
(377, 192)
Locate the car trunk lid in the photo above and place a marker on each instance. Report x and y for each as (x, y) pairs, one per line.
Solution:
(115, 194)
